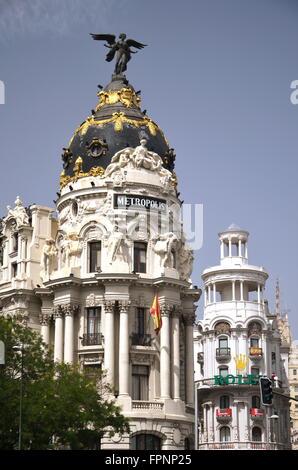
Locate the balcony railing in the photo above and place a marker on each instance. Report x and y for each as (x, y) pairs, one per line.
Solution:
(224, 412)
(92, 339)
(141, 339)
(140, 405)
(257, 413)
(256, 351)
(222, 353)
(242, 445)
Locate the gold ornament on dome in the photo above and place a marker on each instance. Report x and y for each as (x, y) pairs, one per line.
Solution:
(126, 96)
(118, 119)
(78, 173)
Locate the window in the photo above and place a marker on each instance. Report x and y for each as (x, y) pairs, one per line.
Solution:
(93, 335)
(256, 434)
(254, 342)
(92, 371)
(294, 371)
(140, 382)
(224, 401)
(255, 371)
(145, 442)
(139, 336)
(224, 434)
(255, 401)
(223, 371)
(223, 349)
(140, 321)
(15, 242)
(94, 256)
(14, 269)
(140, 254)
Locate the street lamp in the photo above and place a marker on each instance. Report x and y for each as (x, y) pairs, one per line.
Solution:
(21, 350)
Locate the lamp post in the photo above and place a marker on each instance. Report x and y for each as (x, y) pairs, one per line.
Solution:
(21, 350)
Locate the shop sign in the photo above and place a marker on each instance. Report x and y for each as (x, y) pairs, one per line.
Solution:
(230, 379)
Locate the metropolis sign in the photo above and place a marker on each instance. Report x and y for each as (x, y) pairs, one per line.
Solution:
(124, 201)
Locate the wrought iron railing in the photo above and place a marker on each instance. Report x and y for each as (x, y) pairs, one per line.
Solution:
(92, 339)
(138, 339)
(223, 352)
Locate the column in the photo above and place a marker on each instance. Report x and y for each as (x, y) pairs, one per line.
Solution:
(209, 293)
(241, 290)
(214, 292)
(230, 247)
(239, 247)
(259, 293)
(176, 354)
(45, 328)
(69, 311)
(246, 251)
(189, 373)
(205, 297)
(109, 342)
(222, 247)
(124, 349)
(233, 290)
(58, 341)
(165, 361)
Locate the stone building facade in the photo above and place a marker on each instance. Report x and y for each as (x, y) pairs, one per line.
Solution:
(85, 276)
(236, 342)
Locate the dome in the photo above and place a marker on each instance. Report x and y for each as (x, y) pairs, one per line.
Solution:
(117, 122)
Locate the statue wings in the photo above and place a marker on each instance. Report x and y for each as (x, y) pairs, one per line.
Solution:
(110, 38)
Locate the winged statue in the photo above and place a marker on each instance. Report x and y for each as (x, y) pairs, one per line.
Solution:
(120, 48)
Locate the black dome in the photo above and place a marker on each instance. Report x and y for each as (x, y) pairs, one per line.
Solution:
(116, 123)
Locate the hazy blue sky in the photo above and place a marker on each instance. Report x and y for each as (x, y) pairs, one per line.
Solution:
(215, 76)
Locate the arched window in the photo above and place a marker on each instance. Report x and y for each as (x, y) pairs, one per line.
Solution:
(224, 401)
(224, 434)
(256, 434)
(255, 402)
(145, 442)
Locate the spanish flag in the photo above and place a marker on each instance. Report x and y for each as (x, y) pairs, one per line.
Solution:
(156, 315)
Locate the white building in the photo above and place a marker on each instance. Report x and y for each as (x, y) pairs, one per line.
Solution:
(86, 278)
(236, 342)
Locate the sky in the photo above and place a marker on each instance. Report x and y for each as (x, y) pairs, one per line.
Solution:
(216, 77)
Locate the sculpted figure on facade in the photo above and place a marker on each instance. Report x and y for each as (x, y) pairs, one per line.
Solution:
(71, 247)
(18, 213)
(117, 245)
(165, 245)
(139, 157)
(49, 254)
(120, 160)
(185, 261)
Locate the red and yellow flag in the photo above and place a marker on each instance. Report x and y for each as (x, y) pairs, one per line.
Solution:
(156, 315)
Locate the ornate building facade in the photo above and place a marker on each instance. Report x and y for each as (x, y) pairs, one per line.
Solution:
(236, 342)
(86, 277)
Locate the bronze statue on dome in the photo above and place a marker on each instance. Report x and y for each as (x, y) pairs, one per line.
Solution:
(121, 48)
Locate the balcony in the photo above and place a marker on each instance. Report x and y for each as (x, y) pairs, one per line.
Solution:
(255, 353)
(92, 339)
(224, 415)
(242, 445)
(147, 406)
(223, 354)
(141, 339)
(257, 414)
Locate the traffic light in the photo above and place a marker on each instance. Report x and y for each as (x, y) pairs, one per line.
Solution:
(266, 391)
